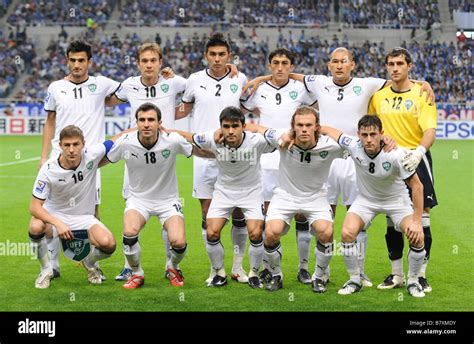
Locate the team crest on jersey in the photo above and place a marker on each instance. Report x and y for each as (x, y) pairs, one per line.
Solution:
(323, 154)
(310, 78)
(40, 186)
(89, 165)
(166, 153)
(386, 166)
(78, 248)
(92, 87)
(293, 95)
(357, 89)
(408, 104)
(165, 88)
(47, 98)
(234, 88)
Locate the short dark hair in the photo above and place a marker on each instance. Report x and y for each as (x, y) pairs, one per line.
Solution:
(370, 121)
(79, 46)
(232, 114)
(282, 52)
(216, 40)
(398, 52)
(71, 131)
(147, 107)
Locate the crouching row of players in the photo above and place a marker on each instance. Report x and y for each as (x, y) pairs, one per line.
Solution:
(63, 195)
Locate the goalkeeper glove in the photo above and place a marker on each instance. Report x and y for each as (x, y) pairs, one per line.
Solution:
(411, 160)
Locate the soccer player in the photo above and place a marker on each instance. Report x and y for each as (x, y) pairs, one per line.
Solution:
(304, 171)
(79, 100)
(150, 157)
(63, 202)
(381, 181)
(411, 121)
(207, 93)
(342, 101)
(275, 102)
(238, 185)
(154, 88)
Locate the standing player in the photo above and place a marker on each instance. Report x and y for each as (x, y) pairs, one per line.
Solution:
(151, 87)
(63, 201)
(275, 102)
(207, 93)
(80, 100)
(342, 101)
(150, 157)
(381, 180)
(238, 185)
(301, 189)
(411, 121)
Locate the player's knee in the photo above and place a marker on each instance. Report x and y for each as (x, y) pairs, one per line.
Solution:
(178, 241)
(326, 235)
(36, 227)
(348, 235)
(212, 233)
(255, 234)
(131, 230)
(271, 238)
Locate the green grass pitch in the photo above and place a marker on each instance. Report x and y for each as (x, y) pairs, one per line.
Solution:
(450, 270)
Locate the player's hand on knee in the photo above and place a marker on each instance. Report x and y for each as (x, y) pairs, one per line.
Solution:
(167, 73)
(414, 232)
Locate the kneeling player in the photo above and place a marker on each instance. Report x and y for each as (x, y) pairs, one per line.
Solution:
(150, 157)
(303, 172)
(238, 185)
(381, 181)
(64, 203)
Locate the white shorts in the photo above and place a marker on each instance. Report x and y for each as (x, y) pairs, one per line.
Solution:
(284, 207)
(163, 209)
(342, 180)
(395, 210)
(270, 182)
(204, 177)
(76, 222)
(250, 201)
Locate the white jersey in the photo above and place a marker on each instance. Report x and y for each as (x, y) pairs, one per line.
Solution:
(210, 96)
(304, 172)
(239, 168)
(381, 178)
(276, 106)
(342, 107)
(82, 105)
(162, 94)
(152, 172)
(70, 192)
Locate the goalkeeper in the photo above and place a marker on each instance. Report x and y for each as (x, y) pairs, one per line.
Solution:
(411, 121)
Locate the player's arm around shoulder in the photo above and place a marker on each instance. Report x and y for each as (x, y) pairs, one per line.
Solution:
(333, 133)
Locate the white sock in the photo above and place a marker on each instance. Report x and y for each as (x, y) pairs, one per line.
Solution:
(96, 255)
(350, 253)
(362, 243)
(239, 242)
(323, 254)
(53, 249)
(423, 268)
(177, 255)
(255, 256)
(39, 249)
(303, 241)
(166, 241)
(397, 267)
(415, 261)
(215, 251)
(132, 252)
(273, 257)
